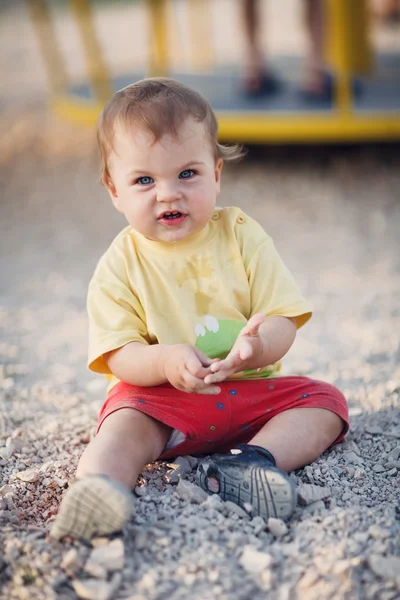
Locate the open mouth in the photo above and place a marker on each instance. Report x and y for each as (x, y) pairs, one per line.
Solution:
(171, 215)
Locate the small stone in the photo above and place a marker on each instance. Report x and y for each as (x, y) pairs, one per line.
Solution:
(190, 491)
(254, 561)
(277, 527)
(392, 472)
(310, 577)
(5, 453)
(308, 493)
(96, 589)
(374, 429)
(183, 463)
(213, 575)
(7, 383)
(394, 454)
(192, 460)
(141, 490)
(352, 458)
(96, 571)
(378, 532)
(315, 506)
(236, 509)
(378, 468)
(29, 475)
(248, 507)
(110, 557)
(71, 560)
(258, 524)
(214, 501)
(387, 567)
(6, 489)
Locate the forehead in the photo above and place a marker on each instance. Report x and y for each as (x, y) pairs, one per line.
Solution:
(136, 139)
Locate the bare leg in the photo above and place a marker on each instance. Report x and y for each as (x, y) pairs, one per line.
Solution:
(127, 440)
(298, 436)
(100, 501)
(315, 25)
(254, 60)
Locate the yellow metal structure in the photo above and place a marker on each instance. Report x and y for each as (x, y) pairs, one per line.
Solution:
(348, 53)
(44, 28)
(98, 72)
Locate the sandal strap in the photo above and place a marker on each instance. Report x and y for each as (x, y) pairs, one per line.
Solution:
(247, 448)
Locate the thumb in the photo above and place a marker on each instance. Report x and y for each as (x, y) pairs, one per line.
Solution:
(203, 358)
(253, 325)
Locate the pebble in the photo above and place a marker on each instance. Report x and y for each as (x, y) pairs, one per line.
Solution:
(190, 491)
(236, 509)
(110, 556)
(277, 527)
(29, 475)
(387, 567)
(96, 589)
(254, 561)
(308, 493)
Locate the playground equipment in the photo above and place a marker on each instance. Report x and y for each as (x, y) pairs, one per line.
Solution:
(365, 105)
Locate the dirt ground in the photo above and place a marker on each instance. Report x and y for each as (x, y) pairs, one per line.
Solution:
(334, 214)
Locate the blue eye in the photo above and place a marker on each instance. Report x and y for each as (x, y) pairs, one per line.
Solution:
(187, 174)
(144, 180)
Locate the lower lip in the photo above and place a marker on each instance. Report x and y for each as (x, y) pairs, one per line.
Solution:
(173, 222)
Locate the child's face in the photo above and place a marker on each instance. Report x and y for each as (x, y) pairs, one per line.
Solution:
(166, 189)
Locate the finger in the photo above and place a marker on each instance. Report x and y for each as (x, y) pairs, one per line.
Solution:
(211, 390)
(195, 385)
(194, 366)
(229, 363)
(218, 377)
(203, 358)
(253, 325)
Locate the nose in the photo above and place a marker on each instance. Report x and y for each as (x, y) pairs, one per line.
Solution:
(168, 193)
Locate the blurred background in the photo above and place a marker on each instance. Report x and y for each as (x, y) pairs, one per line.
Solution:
(313, 93)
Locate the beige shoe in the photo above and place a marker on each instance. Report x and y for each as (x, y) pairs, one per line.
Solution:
(95, 505)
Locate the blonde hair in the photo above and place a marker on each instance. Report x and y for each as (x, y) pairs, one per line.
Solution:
(160, 105)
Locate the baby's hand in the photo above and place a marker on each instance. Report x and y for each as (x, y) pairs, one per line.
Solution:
(248, 346)
(186, 368)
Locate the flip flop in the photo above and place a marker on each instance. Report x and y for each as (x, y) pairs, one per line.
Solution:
(248, 476)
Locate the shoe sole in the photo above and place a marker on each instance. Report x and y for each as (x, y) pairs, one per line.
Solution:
(268, 491)
(94, 505)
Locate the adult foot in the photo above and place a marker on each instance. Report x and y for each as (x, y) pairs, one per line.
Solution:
(95, 505)
(317, 87)
(260, 84)
(248, 477)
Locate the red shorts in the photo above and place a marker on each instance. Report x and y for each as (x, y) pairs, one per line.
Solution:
(218, 423)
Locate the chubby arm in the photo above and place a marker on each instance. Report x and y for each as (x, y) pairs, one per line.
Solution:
(262, 342)
(182, 365)
(138, 364)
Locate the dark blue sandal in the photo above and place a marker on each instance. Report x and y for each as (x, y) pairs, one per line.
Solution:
(248, 477)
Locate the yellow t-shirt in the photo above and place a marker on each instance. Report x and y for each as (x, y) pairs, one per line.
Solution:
(199, 291)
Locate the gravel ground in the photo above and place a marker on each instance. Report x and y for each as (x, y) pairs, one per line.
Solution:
(335, 216)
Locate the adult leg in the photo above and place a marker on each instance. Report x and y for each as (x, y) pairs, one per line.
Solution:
(100, 502)
(315, 78)
(254, 59)
(298, 436)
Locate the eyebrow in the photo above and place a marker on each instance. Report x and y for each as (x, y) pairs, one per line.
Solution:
(191, 163)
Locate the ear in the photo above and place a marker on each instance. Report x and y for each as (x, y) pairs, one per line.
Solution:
(109, 185)
(218, 170)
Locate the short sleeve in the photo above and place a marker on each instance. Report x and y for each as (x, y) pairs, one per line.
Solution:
(272, 287)
(116, 318)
